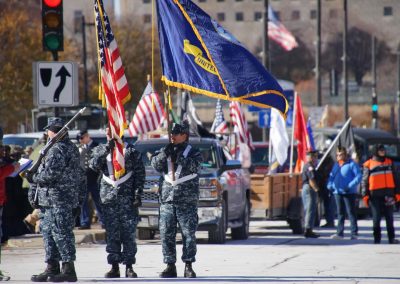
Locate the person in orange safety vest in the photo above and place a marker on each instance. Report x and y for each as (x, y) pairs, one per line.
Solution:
(380, 192)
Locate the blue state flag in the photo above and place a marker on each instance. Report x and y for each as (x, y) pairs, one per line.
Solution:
(199, 55)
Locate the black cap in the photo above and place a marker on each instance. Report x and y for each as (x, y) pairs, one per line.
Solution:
(180, 128)
(81, 133)
(54, 124)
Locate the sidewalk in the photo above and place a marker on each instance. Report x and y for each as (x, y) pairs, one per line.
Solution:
(94, 235)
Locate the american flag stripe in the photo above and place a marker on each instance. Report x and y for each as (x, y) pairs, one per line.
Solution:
(219, 125)
(278, 32)
(149, 113)
(240, 123)
(114, 86)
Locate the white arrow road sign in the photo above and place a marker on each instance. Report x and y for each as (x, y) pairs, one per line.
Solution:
(55, 83)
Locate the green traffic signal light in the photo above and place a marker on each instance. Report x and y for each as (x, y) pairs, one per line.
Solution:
(52, 25)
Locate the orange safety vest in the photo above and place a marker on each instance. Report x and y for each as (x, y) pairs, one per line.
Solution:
(380, 174)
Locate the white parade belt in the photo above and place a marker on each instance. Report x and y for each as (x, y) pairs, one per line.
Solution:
(116, 183)
(179, 180)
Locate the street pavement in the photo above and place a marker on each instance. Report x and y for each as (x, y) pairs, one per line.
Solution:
(272, 254)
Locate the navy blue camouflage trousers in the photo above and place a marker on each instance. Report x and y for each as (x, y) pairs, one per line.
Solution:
(186, 216)
(57, 228)
(120, 219)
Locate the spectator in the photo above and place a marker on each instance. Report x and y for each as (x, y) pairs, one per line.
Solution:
(85, 150)
(380, 191)
(5, 170)
(343, 181)
(309, 194)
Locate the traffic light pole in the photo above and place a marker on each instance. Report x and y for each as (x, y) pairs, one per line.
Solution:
(345, 71)
(318, 55)
(374, 123)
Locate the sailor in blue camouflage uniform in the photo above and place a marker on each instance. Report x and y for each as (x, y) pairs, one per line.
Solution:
(120, 201)
(60, 186)
(178, 197)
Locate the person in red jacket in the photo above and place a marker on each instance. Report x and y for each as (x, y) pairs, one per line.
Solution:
(5, 170)
(380, 192)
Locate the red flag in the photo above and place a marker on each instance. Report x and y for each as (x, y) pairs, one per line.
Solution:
(113, 85)
(300, 134)
(240, 123)
(149, 113)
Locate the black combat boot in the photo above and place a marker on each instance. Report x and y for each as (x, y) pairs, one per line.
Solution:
(53, 268)
(67, 274)
(189, 273)
(114, 272)
(129, 273)
(310, 234)
(169, 272)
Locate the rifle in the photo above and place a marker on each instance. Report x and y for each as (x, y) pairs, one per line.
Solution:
(60, 135)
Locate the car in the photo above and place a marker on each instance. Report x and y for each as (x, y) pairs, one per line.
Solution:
(23, 139)
(224, 192)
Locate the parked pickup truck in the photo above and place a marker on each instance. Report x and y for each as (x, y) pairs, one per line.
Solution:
(224, 192)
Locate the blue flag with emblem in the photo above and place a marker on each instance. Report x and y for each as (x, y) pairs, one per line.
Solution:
(199, 55)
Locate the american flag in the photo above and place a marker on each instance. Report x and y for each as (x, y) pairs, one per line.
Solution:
(219, 125)
(240, 123)
(278, 32)
(149, 113)
(113, 86)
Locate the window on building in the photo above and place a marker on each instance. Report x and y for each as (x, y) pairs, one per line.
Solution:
(239, 17)
(146, 1)
(333, 13)
(239, 0)
(146, 18)
(221, 17)
(202, 0)
(295, 15)
(387, 11)
(313, 14)
(257, 16)
(220, 0)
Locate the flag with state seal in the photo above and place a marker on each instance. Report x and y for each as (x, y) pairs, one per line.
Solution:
(199, 55)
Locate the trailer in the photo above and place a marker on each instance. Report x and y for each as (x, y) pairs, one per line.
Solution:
(278, 196)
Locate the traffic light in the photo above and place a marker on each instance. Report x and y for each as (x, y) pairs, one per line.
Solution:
(52, 25)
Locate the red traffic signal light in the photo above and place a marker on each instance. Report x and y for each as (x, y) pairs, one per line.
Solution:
(52, 25)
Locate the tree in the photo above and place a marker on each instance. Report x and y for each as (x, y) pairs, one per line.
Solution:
(20, 32)
(359, 53)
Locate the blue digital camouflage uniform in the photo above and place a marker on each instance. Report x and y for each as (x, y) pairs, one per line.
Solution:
(119, 213)
(61, 185)
(178, 203)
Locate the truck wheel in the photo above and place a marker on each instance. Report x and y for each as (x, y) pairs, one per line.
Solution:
(242, 232)
(143, 234)
(218, 235)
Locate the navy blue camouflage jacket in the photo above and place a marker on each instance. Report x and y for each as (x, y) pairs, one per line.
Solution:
(60, 180)
(133, 163)
(186, 192)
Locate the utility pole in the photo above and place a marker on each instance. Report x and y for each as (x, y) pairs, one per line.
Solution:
(265, 49)
(345, 73)
(398, 90)
(318, 55)
(374, 123)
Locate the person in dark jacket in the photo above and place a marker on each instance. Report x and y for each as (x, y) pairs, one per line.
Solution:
(380, 192)
(120, 200)
(343, 183)
(179, 197)
(85, 150)
(310, 193)
(59, 186)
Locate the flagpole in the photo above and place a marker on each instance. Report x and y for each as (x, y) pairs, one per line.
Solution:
(333, 143)
(167, 95)
(292, 142)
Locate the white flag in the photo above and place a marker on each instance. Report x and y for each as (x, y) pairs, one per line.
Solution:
(278, 136)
